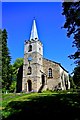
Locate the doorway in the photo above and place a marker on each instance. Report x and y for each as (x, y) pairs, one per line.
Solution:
(29, 85)
(43, 79)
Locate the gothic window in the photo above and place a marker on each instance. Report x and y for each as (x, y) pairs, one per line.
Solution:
(29, 70)
(30, 48)
(50, 73)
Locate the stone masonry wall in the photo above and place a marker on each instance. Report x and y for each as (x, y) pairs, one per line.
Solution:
(54, 81)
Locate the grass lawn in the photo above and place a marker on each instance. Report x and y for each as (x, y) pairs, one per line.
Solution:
(51, 105)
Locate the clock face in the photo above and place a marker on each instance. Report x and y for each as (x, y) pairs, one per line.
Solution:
(29, 58)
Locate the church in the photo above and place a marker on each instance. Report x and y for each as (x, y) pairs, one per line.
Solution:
(40, 74)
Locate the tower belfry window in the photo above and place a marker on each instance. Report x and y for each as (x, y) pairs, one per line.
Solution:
(30, 48)
(29, 70)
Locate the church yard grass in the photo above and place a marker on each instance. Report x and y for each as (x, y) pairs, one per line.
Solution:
(48, 104)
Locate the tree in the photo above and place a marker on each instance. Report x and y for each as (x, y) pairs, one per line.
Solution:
(6, 59)
(9, 72)
(72, 85)
(12, 87)
(71, 10)
(18, 62)
(15, 69)
(0, 60)
(76, 77)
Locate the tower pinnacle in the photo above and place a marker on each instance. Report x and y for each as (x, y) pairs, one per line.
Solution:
(34, 34)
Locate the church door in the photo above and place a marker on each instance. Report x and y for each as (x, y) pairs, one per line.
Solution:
(43, 79)
(29, 85)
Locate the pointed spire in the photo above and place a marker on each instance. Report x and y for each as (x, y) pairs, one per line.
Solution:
(34, 34)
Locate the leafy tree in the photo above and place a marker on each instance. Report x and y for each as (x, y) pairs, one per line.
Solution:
(9, 72)
(76, 77)
(15, 68)
(71, 10)
(19, 79)
(72, 85)
(13, 86)
(0, 60)
(6, 59)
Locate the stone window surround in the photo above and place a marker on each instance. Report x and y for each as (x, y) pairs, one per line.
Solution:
(50, 73)
(30, 48)
(29, 70)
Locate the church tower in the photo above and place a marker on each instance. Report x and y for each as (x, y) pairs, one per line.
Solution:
(33, 62)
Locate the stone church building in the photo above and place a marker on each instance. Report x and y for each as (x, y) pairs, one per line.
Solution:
(39, 73)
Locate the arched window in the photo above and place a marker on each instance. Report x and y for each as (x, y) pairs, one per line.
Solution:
(30, 48)
(50, 73)
(29, 70)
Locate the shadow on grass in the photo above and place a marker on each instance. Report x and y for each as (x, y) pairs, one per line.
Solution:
(56, 107)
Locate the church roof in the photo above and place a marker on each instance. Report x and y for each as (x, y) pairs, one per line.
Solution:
(34, 34)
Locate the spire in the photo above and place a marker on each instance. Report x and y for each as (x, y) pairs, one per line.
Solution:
(34, 34)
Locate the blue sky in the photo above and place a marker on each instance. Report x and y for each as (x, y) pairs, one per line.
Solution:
(17, 19)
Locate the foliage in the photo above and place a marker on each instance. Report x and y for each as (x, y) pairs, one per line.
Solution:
(9, 72)
(15, 68)
(18, 62)
(0, 58)
(76, 76)
(71, 10)
(6, 59)
(72, 85)
(12, 87)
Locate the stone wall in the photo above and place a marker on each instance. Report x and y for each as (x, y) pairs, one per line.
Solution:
(55, 80)
(65, 83)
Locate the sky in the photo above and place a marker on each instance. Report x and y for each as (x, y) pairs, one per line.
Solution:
(17, 19)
